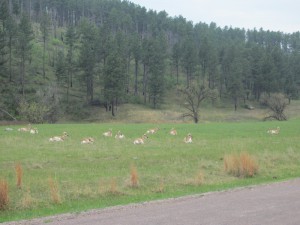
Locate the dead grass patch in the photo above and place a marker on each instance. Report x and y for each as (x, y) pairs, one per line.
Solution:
(27, 201)
(197, 180)
(4, 199)
(240, 165)
(134, 178)
(54, 191)
(113, 187)
(161, 187)
(19, 175)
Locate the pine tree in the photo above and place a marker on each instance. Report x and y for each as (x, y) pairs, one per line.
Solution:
(24, 46)
(87, 58)
(70, 41)
(156, 71)
(44, 26)
(114, 71)
(3, 37)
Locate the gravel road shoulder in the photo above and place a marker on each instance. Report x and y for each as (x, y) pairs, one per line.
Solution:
(270, 204)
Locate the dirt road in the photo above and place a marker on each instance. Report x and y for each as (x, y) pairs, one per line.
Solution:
(273, 204)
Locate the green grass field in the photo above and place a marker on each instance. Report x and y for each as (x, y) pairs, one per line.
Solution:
(99, 175)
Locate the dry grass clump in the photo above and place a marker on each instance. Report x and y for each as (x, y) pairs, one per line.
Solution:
(134, 178)
(109, 187)
(19, 175)
(161, 188)
(242, 165)
(197, 180)
(54, 192)
(113, 187)
(4, 199)
(27, 201)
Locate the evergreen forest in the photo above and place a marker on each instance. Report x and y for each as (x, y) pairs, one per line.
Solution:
(64, 56)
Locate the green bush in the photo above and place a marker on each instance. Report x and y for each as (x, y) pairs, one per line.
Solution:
(33, 112)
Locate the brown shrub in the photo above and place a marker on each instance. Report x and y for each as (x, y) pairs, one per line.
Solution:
(4, 199)
(19, 175)
(134, 179)
(242, 165)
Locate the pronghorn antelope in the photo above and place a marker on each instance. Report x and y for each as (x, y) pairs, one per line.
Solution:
(8, 129)
(88, 140)
(274, 131)
(34, 131)
(173, 131)
(25, 129)
(188, 139)
(59, 138)
(119, 135)
(140, 141)
(152, 131)
(108, 133)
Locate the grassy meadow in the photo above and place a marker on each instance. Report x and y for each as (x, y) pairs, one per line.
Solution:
(47, 178)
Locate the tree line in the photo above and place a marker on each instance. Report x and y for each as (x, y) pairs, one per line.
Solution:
(60, 55)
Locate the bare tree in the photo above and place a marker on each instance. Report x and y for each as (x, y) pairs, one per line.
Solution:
(193, 96)
(277, 103)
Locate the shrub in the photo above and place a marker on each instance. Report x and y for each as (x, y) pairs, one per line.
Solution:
(242, 165)
(49, 97)
(32, 112)
(4, 199)
(134, 177)
(19, 175)
(276, 103)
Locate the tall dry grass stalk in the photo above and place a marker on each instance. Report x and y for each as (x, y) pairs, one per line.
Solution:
(27, 200)
(113, 186)
(199, 178)
(242, 165)
(134, 178)
(19, 175)
(161, 187)
(4, 199)
(54, 192)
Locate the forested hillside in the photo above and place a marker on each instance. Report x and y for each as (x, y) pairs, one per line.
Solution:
(62, 56)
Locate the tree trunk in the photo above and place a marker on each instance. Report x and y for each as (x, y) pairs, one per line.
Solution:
(112, 108)
(235, 104)
(177, 74)
(136, 77)
(10, 59)
(145, 85)
(196, 120)
(22, 71)
(44, 50)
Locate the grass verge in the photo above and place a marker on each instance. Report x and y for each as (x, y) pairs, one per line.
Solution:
(102, 174)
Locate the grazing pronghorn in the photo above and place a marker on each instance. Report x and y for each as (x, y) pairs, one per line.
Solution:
(119, 135)
(25, 129)
(59, 138)
(188, 139)
(8, 129)
(88, 140)
(108, 133)
(152, 131)
(140, 141)
(274, 131)
(34, 131)
(173, 131)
